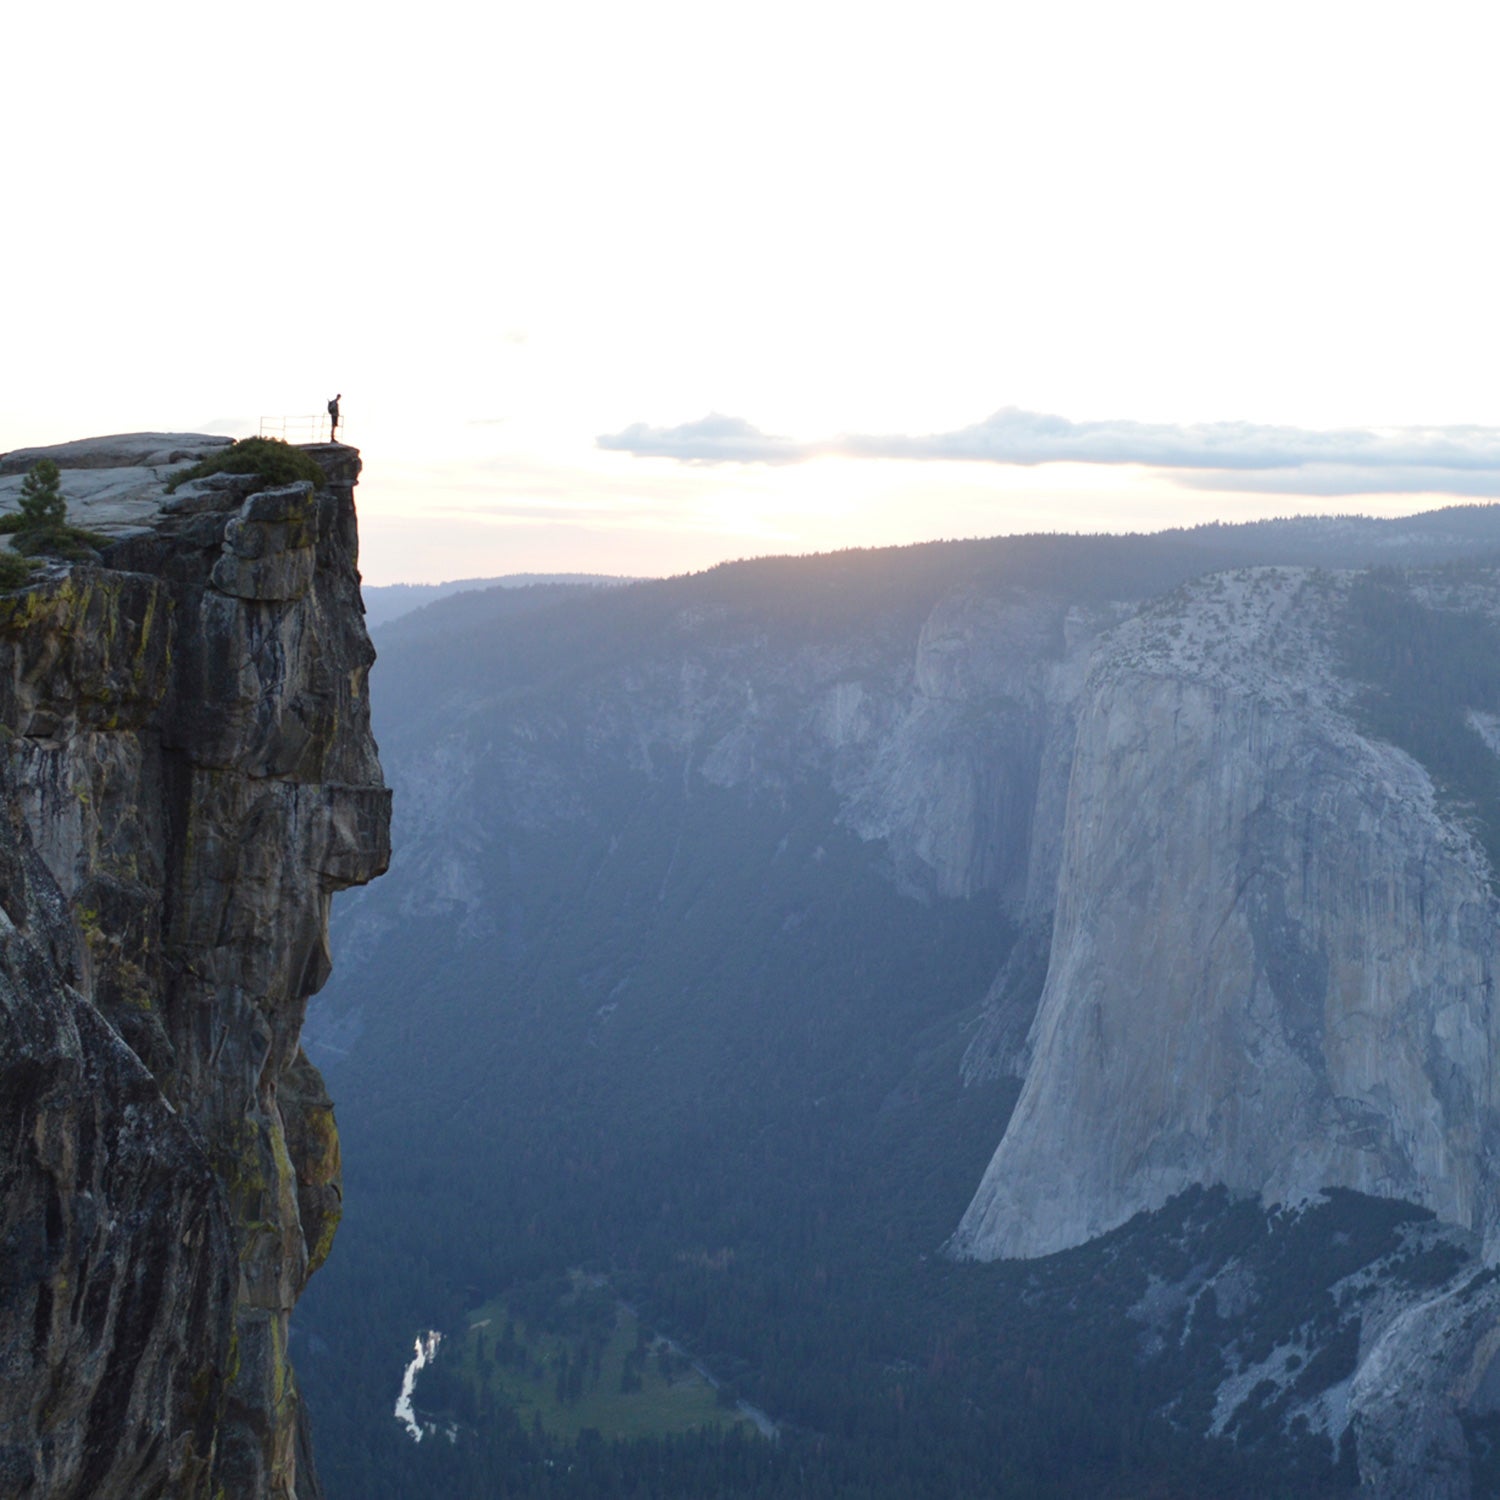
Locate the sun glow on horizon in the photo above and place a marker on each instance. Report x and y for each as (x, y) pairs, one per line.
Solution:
(509, 232)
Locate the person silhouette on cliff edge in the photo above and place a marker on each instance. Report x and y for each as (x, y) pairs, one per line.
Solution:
(333, 418)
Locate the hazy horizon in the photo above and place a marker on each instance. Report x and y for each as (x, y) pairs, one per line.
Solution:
(1441, 503)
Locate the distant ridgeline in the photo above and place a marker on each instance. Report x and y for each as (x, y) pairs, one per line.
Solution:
(387, 602)
(1006, 1018)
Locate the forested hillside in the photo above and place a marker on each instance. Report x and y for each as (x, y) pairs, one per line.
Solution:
(688, 948)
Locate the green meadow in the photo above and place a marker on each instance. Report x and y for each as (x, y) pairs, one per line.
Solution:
(566, 1356)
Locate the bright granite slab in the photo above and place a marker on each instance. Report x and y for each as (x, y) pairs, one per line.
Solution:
(115, 485)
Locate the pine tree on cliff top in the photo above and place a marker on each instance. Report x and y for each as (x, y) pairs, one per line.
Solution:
(42, 503)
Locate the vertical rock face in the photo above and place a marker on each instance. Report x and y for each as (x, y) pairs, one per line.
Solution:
(1273, 952)
(189, 775)
(1272, 966)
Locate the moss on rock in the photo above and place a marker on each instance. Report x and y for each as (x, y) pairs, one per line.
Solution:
(272, 459)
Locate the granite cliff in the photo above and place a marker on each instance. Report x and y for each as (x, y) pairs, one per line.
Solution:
(1273, 944)
(1272, 967)
(189, 774)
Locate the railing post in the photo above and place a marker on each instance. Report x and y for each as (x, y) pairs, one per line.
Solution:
(303, 429)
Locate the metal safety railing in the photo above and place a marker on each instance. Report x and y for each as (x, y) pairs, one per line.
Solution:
(311, 429)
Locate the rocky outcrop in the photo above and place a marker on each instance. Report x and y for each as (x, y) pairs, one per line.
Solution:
(1273, 951)
(1424, 1367)
(189, 775)
(953, 784)
(1272, 967)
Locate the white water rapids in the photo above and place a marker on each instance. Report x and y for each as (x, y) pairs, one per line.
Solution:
(425, 1352)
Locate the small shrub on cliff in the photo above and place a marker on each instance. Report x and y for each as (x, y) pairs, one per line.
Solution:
(40, 526)
(274, 460)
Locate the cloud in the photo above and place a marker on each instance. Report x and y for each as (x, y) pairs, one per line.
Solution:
(1236, 456)
(714, 439)
(1014, 436)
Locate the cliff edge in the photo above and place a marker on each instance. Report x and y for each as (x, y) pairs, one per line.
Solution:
(189, 775)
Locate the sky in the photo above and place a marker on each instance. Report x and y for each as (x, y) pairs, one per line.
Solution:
(638, 288)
